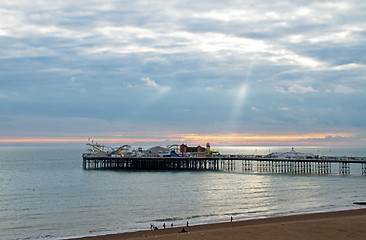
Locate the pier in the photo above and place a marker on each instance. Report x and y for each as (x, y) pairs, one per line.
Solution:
(255, 164)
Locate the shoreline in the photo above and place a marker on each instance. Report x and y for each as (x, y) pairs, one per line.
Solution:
(347, 224)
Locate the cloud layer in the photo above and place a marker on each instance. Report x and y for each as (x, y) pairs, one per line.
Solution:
(94, 68)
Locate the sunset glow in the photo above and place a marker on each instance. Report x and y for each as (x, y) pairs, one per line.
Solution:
(196, 139)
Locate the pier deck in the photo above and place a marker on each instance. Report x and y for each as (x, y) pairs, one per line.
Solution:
(322, 165)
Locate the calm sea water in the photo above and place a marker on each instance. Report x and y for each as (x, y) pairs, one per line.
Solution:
(45, 193)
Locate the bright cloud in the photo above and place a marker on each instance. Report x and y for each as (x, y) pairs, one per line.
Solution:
(297, 88)
(149, 82)
(345, 89)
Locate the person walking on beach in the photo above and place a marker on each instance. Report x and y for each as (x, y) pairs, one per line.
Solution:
(187, 223)
(164, 225)
(231, 219)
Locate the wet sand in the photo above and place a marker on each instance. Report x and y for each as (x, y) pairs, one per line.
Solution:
(350, 224)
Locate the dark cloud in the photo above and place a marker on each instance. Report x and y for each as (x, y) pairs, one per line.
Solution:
(332, 139)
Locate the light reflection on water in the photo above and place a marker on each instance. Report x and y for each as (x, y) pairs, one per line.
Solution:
(45, 192)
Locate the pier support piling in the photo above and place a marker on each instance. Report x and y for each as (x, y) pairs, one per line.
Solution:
(344, 168)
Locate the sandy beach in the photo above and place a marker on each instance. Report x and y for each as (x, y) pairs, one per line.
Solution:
(350, 224)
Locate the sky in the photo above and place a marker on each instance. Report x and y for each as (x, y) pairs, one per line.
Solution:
(157, 72)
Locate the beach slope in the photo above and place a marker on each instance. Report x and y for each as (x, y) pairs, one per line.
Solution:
(350, 224)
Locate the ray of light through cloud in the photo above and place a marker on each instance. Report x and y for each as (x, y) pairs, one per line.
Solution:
(155, 90)
(238, 106)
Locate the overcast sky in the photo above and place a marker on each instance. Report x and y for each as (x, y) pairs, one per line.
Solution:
(227, 72)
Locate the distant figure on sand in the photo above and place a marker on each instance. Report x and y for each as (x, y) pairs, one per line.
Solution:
(164, 225)
(183, 230)
(231, 219)
(187, 224)
(171, 225)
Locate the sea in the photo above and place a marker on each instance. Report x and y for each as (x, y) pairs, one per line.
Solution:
(46, 194)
